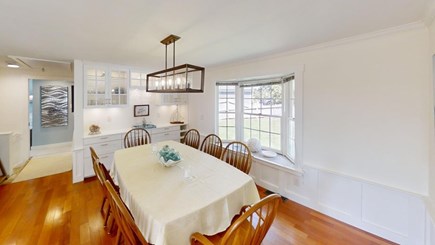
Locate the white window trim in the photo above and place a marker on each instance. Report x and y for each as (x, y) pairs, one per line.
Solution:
(299, 94)
(298, 72)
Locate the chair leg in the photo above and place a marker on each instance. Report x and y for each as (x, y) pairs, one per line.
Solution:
(107, 216)
(118, 237)
(112, 226)
(102, 205)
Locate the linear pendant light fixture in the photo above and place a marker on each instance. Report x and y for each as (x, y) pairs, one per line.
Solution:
(178, 79)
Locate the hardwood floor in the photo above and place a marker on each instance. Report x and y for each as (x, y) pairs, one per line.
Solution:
(52, 210)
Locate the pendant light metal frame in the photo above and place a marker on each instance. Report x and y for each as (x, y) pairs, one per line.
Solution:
(180, 70)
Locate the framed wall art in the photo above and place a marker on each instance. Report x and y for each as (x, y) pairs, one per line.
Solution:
(141, 110)
(54, 106)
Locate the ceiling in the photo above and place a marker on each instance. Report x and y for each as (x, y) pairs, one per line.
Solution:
(212, 32)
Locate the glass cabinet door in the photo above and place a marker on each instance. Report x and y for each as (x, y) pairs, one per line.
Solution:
(96, 87)
(118, 87)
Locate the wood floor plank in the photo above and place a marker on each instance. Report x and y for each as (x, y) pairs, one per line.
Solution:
(52, 210)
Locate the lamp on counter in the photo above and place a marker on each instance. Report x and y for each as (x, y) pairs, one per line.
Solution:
(178, 79)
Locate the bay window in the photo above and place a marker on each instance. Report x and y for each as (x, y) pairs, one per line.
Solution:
(264, 109)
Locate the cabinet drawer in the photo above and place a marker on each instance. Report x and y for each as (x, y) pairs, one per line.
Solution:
(172, 135)
(102, 138)
(103, 148)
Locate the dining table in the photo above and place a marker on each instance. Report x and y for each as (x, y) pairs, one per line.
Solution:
(200, 193)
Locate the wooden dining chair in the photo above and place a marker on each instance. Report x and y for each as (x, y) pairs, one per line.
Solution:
(249, 227)
(238, 155)
(105, 176)
(136, 137)
(95, 162)
(212, 145)
(192, 138)
(128, 232)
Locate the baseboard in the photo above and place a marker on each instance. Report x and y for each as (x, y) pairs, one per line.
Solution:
(393, 214)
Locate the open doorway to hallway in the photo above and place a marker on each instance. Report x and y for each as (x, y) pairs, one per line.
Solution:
(51, 116)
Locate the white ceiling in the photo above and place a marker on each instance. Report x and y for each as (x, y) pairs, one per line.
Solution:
(212, 32)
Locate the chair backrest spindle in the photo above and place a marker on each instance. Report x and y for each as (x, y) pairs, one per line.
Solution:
(192, 138)
(136, 137)
(238, 155)
(212, 145)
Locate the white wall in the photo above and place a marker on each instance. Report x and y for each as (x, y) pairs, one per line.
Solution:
(14, 104)
(367, 106)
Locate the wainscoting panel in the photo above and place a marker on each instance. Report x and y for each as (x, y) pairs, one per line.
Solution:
(389, 212)
(339, 196)
(393, 214)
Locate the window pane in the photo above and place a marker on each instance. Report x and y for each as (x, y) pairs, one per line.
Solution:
(247, 121)
(266, 109)
(231, 120)
(276, 110)
(276, 141)
(275, 125)
(231, 134)
(255, 134)
(265, 124)
(276, 94)
(265, 139)
(292, 129)
(248, 106)
(231, 105)
(226, 109)
(292, 108)
(291, 150)
(223, 132)
(255, 122)
(246, 134)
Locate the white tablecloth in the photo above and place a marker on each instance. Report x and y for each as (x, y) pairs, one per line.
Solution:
(166, 206)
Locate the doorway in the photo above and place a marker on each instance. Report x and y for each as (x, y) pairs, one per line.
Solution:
(51, 116)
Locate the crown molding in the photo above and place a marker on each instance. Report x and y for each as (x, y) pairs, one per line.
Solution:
(357, 38)
(365, 36)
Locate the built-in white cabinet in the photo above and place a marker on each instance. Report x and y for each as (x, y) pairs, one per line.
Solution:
(105, 85)
(105, 146)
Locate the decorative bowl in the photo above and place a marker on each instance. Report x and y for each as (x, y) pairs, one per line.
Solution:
(168, 163)
(168, 156)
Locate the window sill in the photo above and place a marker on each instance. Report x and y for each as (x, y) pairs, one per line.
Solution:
(279, 162)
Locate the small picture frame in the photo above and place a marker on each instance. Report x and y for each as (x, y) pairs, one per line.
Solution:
(141, 110)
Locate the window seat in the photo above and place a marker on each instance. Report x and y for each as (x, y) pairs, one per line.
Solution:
(280, 162)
